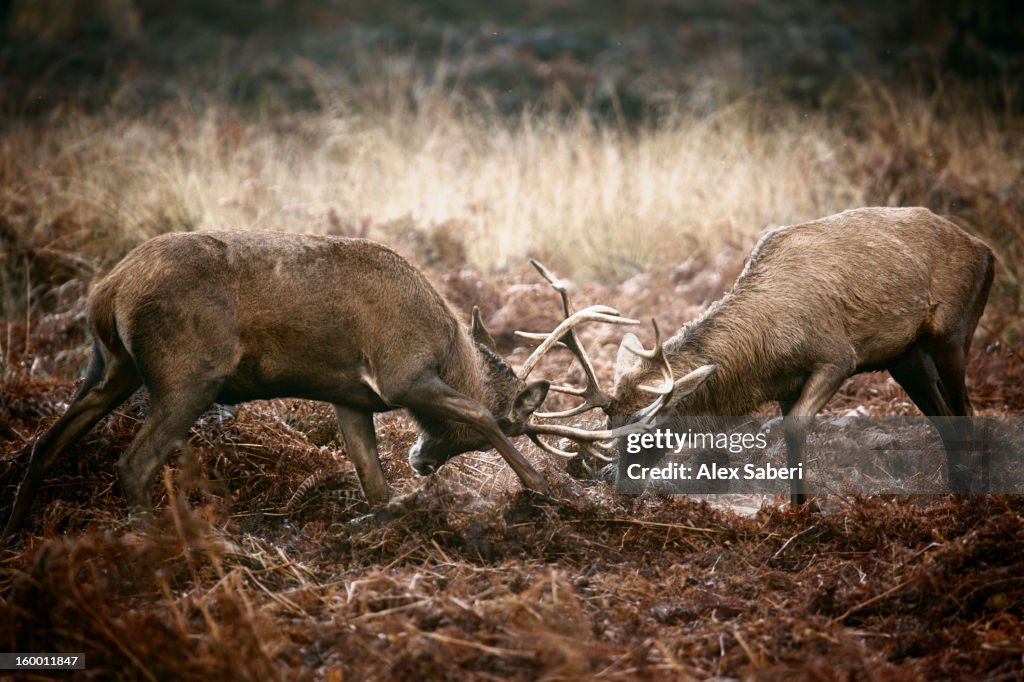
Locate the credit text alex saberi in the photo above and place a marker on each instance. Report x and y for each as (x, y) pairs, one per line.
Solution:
(667, 439)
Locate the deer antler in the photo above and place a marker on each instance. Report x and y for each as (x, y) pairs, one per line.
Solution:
(565, 335)
(655, 355)
(590, 441)
(593, 397)
(567, 454)
(594, 313)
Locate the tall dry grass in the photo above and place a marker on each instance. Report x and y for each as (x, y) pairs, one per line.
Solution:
(615, 199)
(597, 200)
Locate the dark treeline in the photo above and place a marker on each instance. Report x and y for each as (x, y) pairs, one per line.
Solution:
(614, 57)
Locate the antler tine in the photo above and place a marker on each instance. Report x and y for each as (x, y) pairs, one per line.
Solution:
(532, 336)
(571, 412)
(569, 390)
(570, 454)
(656, 354)
(637, 349)
(551, 449)
(590, 448)
(565, 334)
(556, 284)
(573, 343)
(583, 435)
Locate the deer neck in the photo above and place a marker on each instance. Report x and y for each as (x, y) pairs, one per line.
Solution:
(466, 370)
(735, 336)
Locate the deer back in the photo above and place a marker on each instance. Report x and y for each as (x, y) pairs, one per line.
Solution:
(280, 311)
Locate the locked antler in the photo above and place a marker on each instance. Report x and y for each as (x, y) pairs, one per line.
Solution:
(565, 335)
(593, 397)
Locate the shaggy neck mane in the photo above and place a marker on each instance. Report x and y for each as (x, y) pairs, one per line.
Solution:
(738, 334)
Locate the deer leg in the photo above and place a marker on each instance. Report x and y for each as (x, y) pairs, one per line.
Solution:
(171, 414)
(950, 360)
(430, 395)
(817, 390)
(922, 379)
(361, 443)
(106, 386)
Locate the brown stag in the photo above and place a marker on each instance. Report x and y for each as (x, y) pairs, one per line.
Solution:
(226, 317)
(897, 289)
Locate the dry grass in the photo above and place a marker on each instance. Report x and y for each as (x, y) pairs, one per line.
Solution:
(456, 186)
(620, 200)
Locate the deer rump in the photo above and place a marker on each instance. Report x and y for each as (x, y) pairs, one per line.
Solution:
(233, 316)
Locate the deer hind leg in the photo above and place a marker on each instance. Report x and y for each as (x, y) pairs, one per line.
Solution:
(950, 359)
(430, 396)
(171, 414)
(935, 369)
(111, 379)
(361, 443)
(948, 336)
(815, 394)
(932, 374)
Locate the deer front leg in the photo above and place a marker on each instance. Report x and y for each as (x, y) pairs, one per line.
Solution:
(361, 443)
(818, 389)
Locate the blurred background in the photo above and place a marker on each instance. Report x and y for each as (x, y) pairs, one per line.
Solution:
(628, 59)
(609, 139)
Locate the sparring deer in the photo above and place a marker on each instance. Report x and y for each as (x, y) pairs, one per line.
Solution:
(226, 317)
(897, 289)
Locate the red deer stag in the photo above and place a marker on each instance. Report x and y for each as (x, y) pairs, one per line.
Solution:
(233, 316)
(897, 289)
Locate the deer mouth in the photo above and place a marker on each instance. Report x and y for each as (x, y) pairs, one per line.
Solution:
(424, 469)
(422, 461)
(429, 454)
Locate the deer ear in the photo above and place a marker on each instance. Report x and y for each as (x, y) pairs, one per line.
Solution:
(528, 400)
(480, 334)
(690, 383)
(626, 360)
